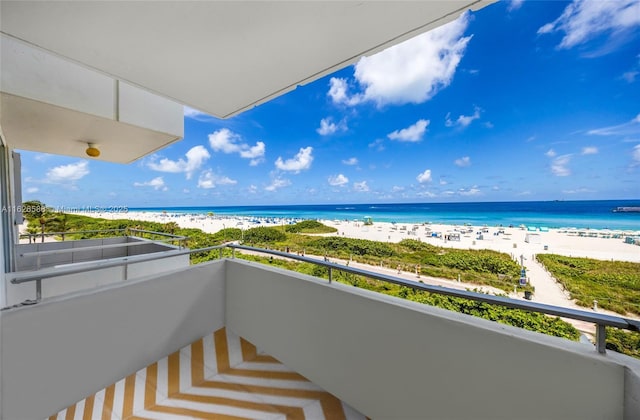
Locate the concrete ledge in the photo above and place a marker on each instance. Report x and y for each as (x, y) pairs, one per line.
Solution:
(64, 349)
(390, 358)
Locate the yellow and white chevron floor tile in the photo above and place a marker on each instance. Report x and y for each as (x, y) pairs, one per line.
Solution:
(221, 376)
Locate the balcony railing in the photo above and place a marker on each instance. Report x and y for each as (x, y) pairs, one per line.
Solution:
(601, 321)
(140, 233)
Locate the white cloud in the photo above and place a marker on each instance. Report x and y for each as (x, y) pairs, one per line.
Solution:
(361, 186)
(590, 150)
(424, 176)
(578, 191)
(277, 183)
(300, 162)
(443, 182)
(470, 191)
(397, 188)
(630, 128)
(42, 157)
(252, 189)
(413, 133)
(226, 141)
(551, 153)
(635, 153)
(584, 20)
(351, 161)
(32, 190)
(514, 5)
(338, 180)
(328, 127)
(157, 184)
(195, 114)
(338, 91)
(463, 161)
(427, 194)
(410, 72)
(208, 179)
(463, 120)
(196, 157)
(559, 165)
(68, 173)
(630, 76)
(377, 144)
(255, 153)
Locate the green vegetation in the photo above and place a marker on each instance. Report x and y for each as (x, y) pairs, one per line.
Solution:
(474, 266)
(614, 284)
(309, 226)
(626, 342)
(264, 235)
(482, 267)
(519, 318)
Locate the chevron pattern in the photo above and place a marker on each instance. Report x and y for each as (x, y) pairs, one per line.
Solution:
(221, 376)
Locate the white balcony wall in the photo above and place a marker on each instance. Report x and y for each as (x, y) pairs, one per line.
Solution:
(386, 357)
(394, 359)
(58, 352)
(57, 286)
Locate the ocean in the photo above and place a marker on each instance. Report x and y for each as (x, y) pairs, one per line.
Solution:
(550, 214)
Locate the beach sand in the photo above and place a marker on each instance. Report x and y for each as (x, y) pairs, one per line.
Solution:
(510, 240)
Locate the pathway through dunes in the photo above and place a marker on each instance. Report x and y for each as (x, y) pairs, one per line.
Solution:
(221, 376)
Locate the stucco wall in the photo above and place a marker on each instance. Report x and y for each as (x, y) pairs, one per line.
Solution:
(396, 359)
(58, 352)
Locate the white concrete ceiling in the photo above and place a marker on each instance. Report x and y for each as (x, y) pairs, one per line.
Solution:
(40, 127)
(221, 57)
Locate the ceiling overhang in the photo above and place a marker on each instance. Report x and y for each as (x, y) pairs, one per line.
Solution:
(221, 57)
(45, 128)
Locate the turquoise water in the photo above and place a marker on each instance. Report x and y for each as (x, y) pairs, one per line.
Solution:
(551, 214)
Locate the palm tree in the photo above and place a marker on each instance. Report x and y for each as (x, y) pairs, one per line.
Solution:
(59, 223)
(32, 231)
(171, 227)
(33, 210)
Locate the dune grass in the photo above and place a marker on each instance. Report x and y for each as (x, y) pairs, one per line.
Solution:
(614, 284)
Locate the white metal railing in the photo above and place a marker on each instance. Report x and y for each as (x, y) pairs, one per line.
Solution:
(125, 232)
(600, 320)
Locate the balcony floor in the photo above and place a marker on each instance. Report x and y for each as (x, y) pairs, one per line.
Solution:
(220, 376)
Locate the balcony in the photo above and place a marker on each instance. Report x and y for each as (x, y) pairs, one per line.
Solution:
(34, 260)
(383, 356)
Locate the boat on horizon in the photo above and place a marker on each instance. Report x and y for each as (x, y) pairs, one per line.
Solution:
(627, 209)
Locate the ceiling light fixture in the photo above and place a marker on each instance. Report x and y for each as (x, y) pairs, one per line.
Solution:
(92, 150)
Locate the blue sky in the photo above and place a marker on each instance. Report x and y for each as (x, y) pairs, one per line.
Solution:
(519, 101)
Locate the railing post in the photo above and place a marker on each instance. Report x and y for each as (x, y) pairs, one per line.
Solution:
(125, 271)
(601, 338)
(220, 253)
(330, 274)
(38, 290)
(233, 253)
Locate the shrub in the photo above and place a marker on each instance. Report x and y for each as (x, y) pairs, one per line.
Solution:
(309, 226)
(264, 235)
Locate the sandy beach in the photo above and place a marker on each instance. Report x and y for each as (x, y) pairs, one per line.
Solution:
(515, 241)
(520, 243)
